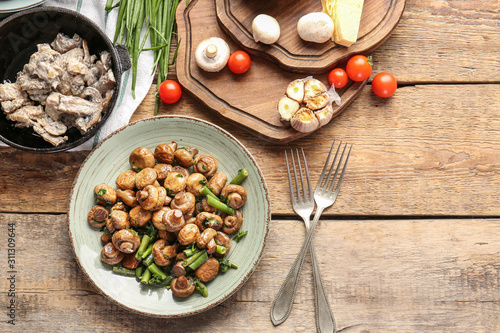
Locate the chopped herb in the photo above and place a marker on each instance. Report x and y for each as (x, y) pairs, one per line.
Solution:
(204, 167)
(169, 192)
(101, 192)
(179, 175)
(203, 181)
(240, 235)
(106, 230)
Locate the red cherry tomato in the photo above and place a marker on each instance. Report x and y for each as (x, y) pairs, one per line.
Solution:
(338, 78)
(239, 62)
(170, 91)
(358, 68)
(384, 85)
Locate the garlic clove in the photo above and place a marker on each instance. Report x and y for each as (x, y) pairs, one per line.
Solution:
(265, 29)
(313, 87)
(287, 107)
(324, 115)
(295, 90)
(304, 121)
(318, 102)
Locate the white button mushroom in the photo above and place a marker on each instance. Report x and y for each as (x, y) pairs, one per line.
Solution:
(315, 27)
(212, 54)
(265, 29)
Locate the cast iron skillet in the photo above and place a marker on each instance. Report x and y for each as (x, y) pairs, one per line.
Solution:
(19, 35)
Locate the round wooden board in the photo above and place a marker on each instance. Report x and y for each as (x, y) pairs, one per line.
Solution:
(290, 52)
(248, 100)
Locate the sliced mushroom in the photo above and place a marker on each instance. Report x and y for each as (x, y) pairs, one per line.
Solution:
(206, 165)
(145, 177)
(175, 183)
(185, 156)
(208, 270)
(127, 197)
(235, 194)
(195, 182)
(212, 54)
(111, 255)
(120, 219)
(97, 216)
(182, 286)
(185, 202)
(141, 158)
(205, 220)
(126, 240)
(173, 220)
(304, 121)
(105, 194)
(126, 180)
(217, 182)
(188, 234)
(163, 254)
(232, 224)
(139, 217)
(165, 153)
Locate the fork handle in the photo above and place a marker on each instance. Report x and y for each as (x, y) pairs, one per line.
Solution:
(324, 317)
(282, 304)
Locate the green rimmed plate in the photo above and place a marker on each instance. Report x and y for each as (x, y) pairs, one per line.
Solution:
(110, 158)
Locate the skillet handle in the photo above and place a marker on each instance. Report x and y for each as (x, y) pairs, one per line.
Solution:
(123, 57)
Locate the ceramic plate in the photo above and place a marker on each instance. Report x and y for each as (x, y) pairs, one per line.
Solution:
(11, 6)
(110, 158)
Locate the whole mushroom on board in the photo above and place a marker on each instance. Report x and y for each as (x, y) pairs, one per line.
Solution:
(315, 27)
(265, 29)
(212, 54)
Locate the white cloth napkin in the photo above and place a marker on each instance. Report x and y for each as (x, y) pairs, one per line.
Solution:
(125, 104)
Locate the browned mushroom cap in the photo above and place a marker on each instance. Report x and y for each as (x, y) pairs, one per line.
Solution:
(173, 220)
(158, 217)
(163, 254)
(126, 180)
(203, 206)
(185, 202)
(97, 216)
(182, 286)
(188, 234)
(175, 183)
(167, 235)
(110, 226)
(148, 197)
(165, 153)
(162, 198)
(206, 236)
(208, 270)
(139, 216)
(195, 182)
(191, 220)
(105, 194)
(223, 240)
(178, 269)
(236, 195)
(232, 224)
(180, 169)
(145, 177)
(120, 219)
(211, 246)
(185, 156)
(206, 165)
(111, 255)
(126, 240)
(130, 261)
(217, 182)
(141, 158)
(127, 197)
(208, 220)
(106, 238)
(119, 206)
(162, 170)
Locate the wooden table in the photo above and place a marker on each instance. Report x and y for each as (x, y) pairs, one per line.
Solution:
(411, 245)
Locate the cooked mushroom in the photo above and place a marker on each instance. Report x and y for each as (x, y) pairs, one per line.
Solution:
(149, 197)
(130, 261)
(191, 220)
(163, 254)
(206, 236)
(111, 255)
(126, 240)
(175, 183)
(167, 235)
(126, 180)
(185, 156)
(105, 194)
(106, 238)
(185, 202)
(178, 269)
(195, 182)
(188, 234)
(127, 197)
(208, 270)
(304, 121)
(162, 170)
(232, 224)
(118, 206)
(145, 177)
(217, 182)
(265, 29)
(206, 165)
(207, 220)
(236, 195)
(173, 220)
(120, 219)
(165, 153)
(182, 286)
(110, 226)
(223, 240)
(139, 216)
(212, 54)
(141, 158)
(184, 171)
(203, 206)
(158, 217)
(97, 216)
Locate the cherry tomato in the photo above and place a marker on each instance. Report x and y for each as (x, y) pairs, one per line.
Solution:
(338, 78)
(170, 91)
(239, 62)
(358, 68)
(384, 85)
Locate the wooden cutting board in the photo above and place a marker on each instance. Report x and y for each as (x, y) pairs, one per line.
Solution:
(378, 20)
(248, 100)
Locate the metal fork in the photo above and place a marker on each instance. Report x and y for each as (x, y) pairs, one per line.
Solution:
(325, 195)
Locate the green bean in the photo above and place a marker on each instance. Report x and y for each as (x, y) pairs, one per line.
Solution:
(147, 252)
(199, 261)
(146, 276)
(242, 174)
(220, 205)
(138, 272)
(149, 260)
(193, 258)
(157, 271)
(207, 192)
(144, 244)
(123, 271)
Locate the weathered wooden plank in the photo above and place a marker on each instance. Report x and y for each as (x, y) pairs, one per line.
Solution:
(380, 276)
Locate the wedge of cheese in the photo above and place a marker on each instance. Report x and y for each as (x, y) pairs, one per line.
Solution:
(346, 18)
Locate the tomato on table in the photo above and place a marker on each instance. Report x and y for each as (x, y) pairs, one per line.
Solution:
(338, 78)
(239, 62)
(170, 91)
(384, 84)
(358, 68)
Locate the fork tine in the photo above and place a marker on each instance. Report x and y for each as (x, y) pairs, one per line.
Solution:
(330, 187)
(325, 166)
(337, 189)
(304, 195)
(292, 195)
(309, 187)
(327, 181)
(295, 175)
